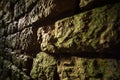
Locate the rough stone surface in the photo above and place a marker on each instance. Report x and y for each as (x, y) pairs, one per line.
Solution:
(59, 39)
(44, 39)
(27, 39)
(12, 28)
(44, 10)
(81, 33)
(1, 32)
(74, 68)
(12, 41)
(19, 8)
(2, 40)
(7, 10)
(44, 67)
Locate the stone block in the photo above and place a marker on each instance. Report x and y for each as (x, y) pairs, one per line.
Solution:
(46, 69)
(81, 33)
(49, 9)
(19, 9)
(12, 41)
(12, 28)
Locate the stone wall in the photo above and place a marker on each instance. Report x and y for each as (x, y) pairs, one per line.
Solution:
(59, 39)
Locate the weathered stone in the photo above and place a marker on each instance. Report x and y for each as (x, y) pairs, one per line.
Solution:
(44, 37)
(12, 27)
(6, 70)
(7, 18)
(7, 50)
(8, 11)
(26, 37)
(2, 40)
(45, 9)
(1, 14)
(82, 33)
(2, 25)
(49, 9)
(30, 4)
(75, 68)
(28, 27)
(28, 41)
(2, 32)
(3, 4)
(17, 74)
(44, 67)
(22, 23)
(25, 40)
(19, 9)
(12, 41)
(23, 62)
(8, 53)
(84, 3)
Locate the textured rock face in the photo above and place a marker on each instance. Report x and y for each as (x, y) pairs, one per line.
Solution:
(74, 68)
(59, 40)
(45, 10)
(81, 32)
(44, 67)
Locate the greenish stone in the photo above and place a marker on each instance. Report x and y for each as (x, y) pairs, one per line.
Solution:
(44, 67)
(95, 30)
(90, 69)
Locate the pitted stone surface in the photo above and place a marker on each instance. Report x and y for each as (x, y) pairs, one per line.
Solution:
(59, 39)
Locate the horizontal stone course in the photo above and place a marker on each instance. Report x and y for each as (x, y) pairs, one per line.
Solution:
(81, 33)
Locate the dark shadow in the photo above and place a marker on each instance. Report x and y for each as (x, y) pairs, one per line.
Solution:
(111, 53)
(98, 3)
